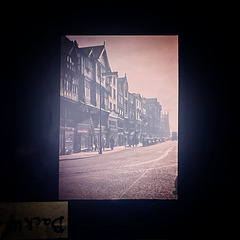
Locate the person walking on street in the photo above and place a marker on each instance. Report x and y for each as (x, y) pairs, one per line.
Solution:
(112, 142)
(95, 143)
(103, 143)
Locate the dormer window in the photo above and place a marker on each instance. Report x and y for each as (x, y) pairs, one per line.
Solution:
(88, 64)
(70, 63)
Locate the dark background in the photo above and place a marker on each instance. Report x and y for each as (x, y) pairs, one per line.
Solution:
(30, 114)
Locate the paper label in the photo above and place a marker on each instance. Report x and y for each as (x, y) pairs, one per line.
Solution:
(33, 220)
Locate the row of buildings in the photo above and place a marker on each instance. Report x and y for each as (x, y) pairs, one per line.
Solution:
(92, 95)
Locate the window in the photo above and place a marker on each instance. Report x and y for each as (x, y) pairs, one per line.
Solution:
(114, 107)
(106, 101)
(88, 64)
(114, 81)
(65, 84)
(110, 91)
(110, 79)
(114, 93)
(110, 106)
(87, 89)
(87, 92)
(97, 99)
(112, 123)
(99, 71)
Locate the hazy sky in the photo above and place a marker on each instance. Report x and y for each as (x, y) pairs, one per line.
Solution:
(151, 65)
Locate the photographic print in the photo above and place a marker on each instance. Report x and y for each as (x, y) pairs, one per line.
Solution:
(118, 133)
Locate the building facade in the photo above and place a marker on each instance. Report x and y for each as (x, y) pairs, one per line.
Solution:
(123, 107)
(164, 126)
(84, 87)
(113, 108)
(138, 116)
(94, 99)
(69, 96)
(153, 116)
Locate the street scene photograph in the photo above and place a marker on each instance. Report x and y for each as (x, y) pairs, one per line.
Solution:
(118, 133)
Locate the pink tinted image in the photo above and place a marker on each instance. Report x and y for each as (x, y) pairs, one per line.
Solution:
(118, 136)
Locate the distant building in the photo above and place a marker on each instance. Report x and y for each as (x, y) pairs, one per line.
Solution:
(123, 84)
(164, 125)
(138, 115)
(123, 131)
(131, 121)
(153, 109)
(144, 119)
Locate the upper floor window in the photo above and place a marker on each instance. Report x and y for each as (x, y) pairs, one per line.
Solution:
(88, 64)
(114, 93)
(110, 91)
(126, 93)
(99, 71)
(70, 63)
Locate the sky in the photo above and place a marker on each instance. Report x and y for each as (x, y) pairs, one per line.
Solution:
(150, 63)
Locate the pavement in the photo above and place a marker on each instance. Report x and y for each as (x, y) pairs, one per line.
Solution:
(82, 155)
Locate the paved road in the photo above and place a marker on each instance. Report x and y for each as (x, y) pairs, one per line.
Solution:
(133, 173)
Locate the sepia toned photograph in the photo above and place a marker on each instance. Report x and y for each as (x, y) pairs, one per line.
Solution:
(118, 133)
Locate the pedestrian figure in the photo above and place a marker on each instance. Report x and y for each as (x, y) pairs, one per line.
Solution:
(103, 143)
(130, 141)
(95, 143)
(112, 142)
(135, 139)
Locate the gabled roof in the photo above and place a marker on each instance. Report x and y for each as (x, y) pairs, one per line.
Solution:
(138, 95)
(122, 79)
(69, 47)
(97, 52)
(120, 90)
(113, 114)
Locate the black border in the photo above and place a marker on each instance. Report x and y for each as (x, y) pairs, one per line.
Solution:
(29, 171)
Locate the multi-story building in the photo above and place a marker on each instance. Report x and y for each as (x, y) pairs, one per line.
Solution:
(84, 86)
(92, 96)
(69, 96)
(130, 122)
(154, 109)
(96, 91)
(164, 125)
(123, 83)
(138, 115)
(123, 109)
(113, 108)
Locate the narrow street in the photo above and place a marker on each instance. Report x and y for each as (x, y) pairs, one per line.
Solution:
(132, 173)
